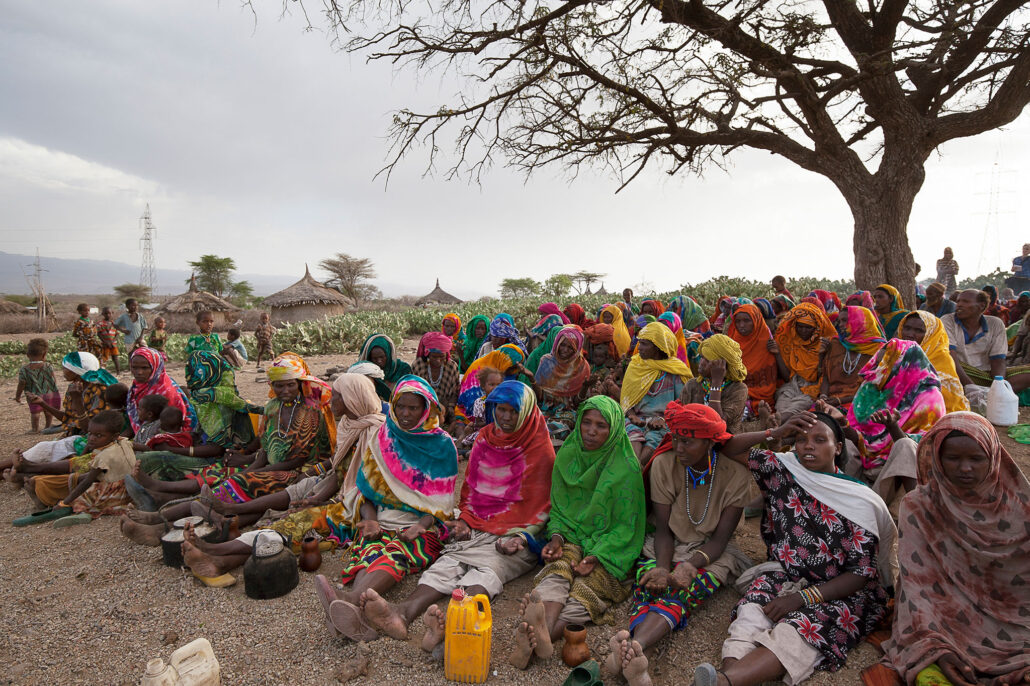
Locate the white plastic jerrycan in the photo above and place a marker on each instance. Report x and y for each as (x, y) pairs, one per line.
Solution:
(194, 664)
(1002, 403)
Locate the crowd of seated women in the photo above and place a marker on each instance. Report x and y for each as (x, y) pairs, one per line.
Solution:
(613, 457)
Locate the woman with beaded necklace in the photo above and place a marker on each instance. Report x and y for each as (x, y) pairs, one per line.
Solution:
(697, 497)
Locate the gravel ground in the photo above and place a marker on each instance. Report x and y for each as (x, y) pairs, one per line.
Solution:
(83, 605)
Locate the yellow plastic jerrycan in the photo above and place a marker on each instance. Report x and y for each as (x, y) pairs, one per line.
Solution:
(468, 630)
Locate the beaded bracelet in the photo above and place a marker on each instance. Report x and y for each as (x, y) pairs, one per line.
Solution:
(811, 595)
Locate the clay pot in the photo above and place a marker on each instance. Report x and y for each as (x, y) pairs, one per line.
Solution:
(575, 651)
(310, 555)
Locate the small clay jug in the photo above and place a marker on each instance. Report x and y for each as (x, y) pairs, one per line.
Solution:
(575, 651)
(310, 555)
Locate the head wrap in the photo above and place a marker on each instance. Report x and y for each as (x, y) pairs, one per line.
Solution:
(360, 397)
(473, 343)
(414, 470)
(597, 496)
(904, 380)
(786, 304)
(691, 314)
(435, 342)
(158, 383)
(721, 347)
(577, 315)
(802, 357)
(641, 373)
(546, 323)
(564, 378)
(672, 320)
(458, 334)
(965, 560)
(503, 360)
(552, 308)
(935, 344)
(859, 330)
(602, 334)
(895, 314)
(507, 487)
(88, 368)
(939, 288)
(369, 369)
(829, 302)
(862, 299)
(395, 368)
(656, 307)
(621, 333)
(313, 391)
(502, 327)
(763, 376)
(544, 348)
(764, 306)
(695, 421)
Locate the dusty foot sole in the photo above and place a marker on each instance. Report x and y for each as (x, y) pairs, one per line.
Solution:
(434, 621)
(383, 616)
(536, 616)
(614, 661)
(523, 650)
(634, 666)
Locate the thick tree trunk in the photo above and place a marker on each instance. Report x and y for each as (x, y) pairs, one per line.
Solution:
(881, 206)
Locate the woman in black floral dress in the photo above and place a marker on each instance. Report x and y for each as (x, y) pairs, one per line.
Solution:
(829, 539)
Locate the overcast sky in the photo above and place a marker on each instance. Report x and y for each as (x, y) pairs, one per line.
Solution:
(258, 141)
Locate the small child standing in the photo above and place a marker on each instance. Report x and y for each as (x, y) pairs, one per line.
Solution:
(84, 332)
(108, 336)
(37, 379)
(263, 333)
(159, 337)
(234, 349)
(206, 340)
(170, 434)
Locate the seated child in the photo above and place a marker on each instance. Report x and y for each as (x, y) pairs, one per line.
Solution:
(170, 434)
(234, 350)
(159, 337)
(489, 379)
(150, 408)
(37, 379)
(90, 484)
(116, 396)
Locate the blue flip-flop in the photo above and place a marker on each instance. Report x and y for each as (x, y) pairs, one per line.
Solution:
(47, 515)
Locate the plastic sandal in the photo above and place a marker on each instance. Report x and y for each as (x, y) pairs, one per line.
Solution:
(706, 675)
(222, 581)
(48, 515)
(586, 674)
(72, 520)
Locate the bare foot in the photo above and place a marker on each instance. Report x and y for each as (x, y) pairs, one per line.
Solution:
(198, 561)
(189, 535)
(634, 665)
(201, 509)
(614, 662)
(348, 620)
(207, 497)
(143, 534)
(142, 478)
(383, 615)
(525, 645)
(434, 621)
(532, 611)
(143, 517)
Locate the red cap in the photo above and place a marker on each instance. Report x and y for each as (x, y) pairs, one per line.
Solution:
(458, 594)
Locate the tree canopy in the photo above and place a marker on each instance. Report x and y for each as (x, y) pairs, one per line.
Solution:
(519, 288)
(214, 274)
(132, 290)
(859, 92)
(350, 276)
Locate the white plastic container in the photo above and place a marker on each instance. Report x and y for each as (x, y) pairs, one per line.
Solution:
(159, 674)
(196, 664)
(1002, 403)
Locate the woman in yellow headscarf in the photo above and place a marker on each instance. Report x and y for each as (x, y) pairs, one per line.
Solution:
(654, 378)
(720, 380)
(890, 308)
(612, 316)
(928, 331)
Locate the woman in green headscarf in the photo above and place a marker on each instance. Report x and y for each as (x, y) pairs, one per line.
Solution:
(380, 351)
(596, 530)
(476, 331)
(890, 308)
(533, 361)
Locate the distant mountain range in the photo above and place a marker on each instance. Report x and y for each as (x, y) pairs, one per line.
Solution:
(101, 276)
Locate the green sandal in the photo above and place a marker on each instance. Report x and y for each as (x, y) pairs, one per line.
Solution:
(586, 674)
(47, 515)
(72, 520)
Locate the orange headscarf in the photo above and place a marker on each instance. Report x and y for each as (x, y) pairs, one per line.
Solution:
(763, 376)
(802, 357)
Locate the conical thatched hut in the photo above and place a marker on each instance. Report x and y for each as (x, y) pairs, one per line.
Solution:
(11, 307)
(307, 299)
(195, 300)
(601, 291)
(437, 297)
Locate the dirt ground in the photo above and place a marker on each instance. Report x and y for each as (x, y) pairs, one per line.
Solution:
(83, 605)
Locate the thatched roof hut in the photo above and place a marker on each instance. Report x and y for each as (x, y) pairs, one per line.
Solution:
(307, 299)
(195, 300)
(438, 296)
(11, 307)
(601, 291)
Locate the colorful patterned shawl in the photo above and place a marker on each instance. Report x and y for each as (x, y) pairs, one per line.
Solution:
(965, 560)
(507, 485)
(672, 320)
(414, 471)
(859, 330)
(502, 359)
(901, 379)
(763, 375)
(862, 299)
(546, 324)
(892, 319)
(459, 336)
(473, 344)
(314, 392)
(552, 308)
(223, 415)
(641, 373)
(935, 345)
(564, 378)
(159, 383)
(502, 326)
(597, 497)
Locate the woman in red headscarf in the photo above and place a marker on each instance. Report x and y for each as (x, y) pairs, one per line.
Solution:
(578, 316)
(434, 364)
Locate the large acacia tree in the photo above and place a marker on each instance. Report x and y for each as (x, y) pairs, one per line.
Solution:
(860, 92)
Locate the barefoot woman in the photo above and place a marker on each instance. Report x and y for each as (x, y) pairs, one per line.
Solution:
(596, 531)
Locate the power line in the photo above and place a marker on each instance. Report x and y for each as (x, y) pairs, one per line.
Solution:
(147, 275)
